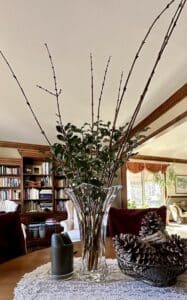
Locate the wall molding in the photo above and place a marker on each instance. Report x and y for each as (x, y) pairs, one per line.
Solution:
(7, 144)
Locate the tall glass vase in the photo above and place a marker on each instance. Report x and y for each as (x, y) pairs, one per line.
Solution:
(92, 204)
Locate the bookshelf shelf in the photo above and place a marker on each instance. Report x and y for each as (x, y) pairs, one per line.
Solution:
(9, 187)
(10, 179)
(30, 182)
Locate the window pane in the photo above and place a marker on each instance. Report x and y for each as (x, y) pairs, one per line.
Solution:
(143, 190)
(134, 190)
(153, 191)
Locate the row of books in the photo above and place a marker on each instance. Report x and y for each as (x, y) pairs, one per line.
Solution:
(10, 194)
(44, 206)
(9, 182)
(41, 207)
(4, 170)
(60, 194)
(46, 167)
(38, 194)
(61, 182)
(44, 181)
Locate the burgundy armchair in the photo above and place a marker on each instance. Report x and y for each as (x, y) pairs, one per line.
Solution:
(123, 220)
(12, 242)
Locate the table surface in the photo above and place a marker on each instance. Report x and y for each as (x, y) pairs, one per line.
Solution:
(12, 270)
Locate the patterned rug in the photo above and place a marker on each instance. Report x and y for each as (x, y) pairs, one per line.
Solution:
(39, 285)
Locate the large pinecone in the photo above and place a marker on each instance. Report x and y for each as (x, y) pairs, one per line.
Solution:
(150, 224)
(173, 251)
(131, 249)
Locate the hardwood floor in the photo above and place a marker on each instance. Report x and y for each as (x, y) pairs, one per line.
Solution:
(12, 271)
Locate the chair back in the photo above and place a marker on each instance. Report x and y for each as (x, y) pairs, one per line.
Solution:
(123, 220)
(12, 242)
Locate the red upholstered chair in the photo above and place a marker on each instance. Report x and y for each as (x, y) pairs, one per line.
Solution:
(12, 242)
(129, 220)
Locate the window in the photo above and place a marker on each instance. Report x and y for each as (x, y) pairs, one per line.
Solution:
(143, 190)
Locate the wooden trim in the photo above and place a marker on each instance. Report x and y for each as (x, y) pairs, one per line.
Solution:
(7, 144)
(163, 108)
(160, 158)
(173, 123)
(177, 196)
(10, 161)
(34, 153)
(124, 186)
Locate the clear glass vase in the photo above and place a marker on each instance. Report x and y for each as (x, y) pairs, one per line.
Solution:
(92, 204)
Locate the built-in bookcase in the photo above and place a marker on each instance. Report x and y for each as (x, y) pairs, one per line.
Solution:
(32, 183)
(10, 179)
(43, 190)
(37, 185)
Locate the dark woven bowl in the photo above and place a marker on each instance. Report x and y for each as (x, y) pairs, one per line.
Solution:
(156, 275)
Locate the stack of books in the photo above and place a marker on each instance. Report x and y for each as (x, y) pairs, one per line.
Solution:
(46, 206)
(45, 194)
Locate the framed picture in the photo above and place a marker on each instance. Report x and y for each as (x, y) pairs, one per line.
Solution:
(181, 184)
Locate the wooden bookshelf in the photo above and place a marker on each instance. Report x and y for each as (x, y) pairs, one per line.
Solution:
(30, 181)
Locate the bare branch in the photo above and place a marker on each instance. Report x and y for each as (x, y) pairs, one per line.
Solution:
(55, 87)
(92, 91)
(167, 36)
(46, 90)
(138, 53)
(25, 97)
(116, 110)
(102, 88)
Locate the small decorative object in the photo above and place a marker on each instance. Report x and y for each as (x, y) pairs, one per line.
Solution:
(92, 153)
(153, 256)
(42, 231)
(92, 204)
(61, 256)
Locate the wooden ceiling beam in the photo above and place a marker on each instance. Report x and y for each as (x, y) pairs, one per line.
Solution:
(179, 95)
(167, 127)
(159, 158)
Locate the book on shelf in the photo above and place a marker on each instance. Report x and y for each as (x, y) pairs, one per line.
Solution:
(4, 170)
(45, 194)
(9, 182)
(10, 194)
(32, 193)
(46, 167)
(60, 194)
(36, 206)
(45, 206)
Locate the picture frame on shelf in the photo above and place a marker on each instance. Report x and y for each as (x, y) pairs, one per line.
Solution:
(37, 170)
(181, 184)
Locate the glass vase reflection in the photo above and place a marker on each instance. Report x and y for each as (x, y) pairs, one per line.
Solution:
(92, 204)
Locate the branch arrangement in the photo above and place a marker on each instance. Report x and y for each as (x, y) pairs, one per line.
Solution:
(94, 152)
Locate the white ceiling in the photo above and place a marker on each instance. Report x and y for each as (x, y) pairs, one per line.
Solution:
(72, 30)
(172, 144)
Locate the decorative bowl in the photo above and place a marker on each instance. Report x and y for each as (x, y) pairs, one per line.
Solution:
(156, 275)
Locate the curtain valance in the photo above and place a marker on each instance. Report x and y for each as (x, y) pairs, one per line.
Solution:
(136, 167)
